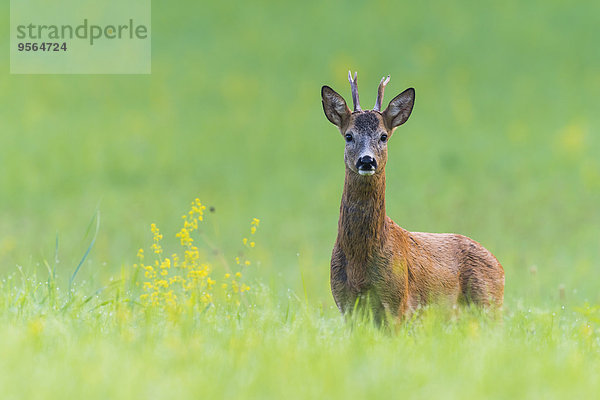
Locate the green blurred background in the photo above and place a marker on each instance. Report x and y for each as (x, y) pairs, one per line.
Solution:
(502, 145)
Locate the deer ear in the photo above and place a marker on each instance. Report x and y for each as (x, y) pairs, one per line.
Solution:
(334, 105)
(399, 109)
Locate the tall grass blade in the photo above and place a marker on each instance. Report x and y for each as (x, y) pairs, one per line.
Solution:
(97, 217)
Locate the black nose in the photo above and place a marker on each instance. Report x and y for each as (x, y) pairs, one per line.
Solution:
(366, 163)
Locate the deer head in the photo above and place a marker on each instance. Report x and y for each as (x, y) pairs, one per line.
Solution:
(366, 131)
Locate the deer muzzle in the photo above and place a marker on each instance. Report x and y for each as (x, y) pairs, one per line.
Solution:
(366, 165)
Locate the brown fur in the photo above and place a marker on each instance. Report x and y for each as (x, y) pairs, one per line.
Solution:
(373, 257)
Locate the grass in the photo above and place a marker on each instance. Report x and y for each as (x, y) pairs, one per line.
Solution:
(272, 348)
(218, 338)
(502, 146)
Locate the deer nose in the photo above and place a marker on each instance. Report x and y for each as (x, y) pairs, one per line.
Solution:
(366, 163)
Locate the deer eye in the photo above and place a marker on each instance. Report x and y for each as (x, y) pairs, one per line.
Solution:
(384, 138)
(348, 137)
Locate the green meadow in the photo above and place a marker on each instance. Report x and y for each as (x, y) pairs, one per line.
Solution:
(503, 146)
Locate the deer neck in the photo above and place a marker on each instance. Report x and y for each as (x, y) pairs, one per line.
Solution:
(362, 229)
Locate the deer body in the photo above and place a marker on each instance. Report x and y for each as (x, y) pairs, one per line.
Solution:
(373, 257)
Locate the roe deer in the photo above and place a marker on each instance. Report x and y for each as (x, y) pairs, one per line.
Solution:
(375, 259)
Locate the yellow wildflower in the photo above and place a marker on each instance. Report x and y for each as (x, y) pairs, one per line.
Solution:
(157, 248)
(165, 264)
(162, 283)
(206, 298)
(184, 236)
(189, 280)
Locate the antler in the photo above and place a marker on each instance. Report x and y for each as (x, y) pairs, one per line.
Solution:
(384, 81)
(354, 91)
